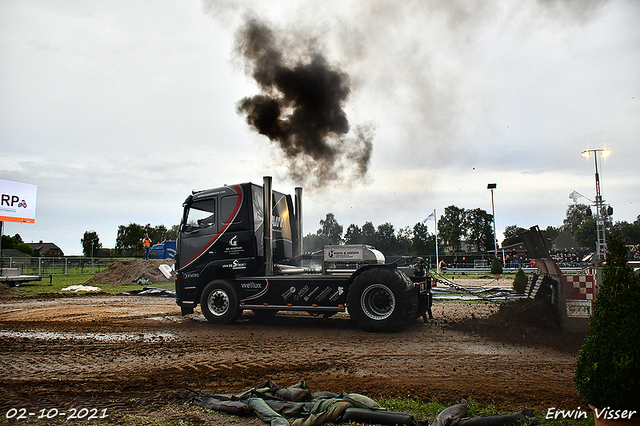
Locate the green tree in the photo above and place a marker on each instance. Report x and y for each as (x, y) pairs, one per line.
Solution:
(386, 240)
(423, 243)
(479, 229)
(9, 242)
(172, 233)
(520, 282)
(157, 233)
(353, 235)
(26, 248)
(549, 234)
(160, 233)
(607, 372)
(331, 229)
(512, 235)
(90, 243)
(451, 227)
(314, 242)
(130, 237)
(587, 234)
(577, 214)
(496, 266)
(630, 231)
(369, 234)
(404, 237)
(16, 243)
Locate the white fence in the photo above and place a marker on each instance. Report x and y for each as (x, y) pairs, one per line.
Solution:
(57, 265)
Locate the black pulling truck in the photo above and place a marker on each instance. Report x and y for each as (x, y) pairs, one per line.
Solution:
(229, 258)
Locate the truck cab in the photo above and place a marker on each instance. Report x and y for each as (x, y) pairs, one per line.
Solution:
(229, 258)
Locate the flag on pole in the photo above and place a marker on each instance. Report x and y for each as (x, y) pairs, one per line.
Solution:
(574, 196)
(432, 216)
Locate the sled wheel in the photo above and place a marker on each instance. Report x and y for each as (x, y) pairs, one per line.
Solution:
(382, 300)
(219, 303)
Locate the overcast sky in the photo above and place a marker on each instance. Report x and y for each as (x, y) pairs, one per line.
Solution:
(116, 110)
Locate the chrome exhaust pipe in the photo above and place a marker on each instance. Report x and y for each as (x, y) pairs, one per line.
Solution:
(267, 199)
(297, 248)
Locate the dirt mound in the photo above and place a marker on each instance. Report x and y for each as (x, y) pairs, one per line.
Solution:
(125, 272)
(523, 321)
(5, 290)
(527, 313)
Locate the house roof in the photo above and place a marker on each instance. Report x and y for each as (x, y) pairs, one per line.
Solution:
(13, 253)
(44, 248)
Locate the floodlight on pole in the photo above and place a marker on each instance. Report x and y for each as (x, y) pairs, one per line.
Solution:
(493, 186)
(601, 213)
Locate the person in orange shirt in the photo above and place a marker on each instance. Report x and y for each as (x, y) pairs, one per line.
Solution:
(146, 243)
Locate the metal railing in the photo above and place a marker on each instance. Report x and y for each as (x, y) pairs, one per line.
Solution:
(57, 265)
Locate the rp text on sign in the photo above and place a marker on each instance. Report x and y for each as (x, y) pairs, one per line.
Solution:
(17, 202)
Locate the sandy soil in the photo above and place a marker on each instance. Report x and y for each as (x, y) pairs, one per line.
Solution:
(136, 355)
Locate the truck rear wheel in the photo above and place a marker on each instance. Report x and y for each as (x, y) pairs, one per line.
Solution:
(382, 300)
(219, 303)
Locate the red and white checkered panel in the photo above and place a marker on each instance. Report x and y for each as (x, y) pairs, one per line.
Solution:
(582, 287)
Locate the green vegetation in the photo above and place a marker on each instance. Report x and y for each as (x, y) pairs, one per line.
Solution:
(458, 225)
(16, 242)
(427, 411)
(496, 266)
(520, 282)
(130, 236)
(55, 283)
(608, 372)
(90, 243)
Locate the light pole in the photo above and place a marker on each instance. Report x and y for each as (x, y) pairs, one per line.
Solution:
(493, 186)
(601, 242)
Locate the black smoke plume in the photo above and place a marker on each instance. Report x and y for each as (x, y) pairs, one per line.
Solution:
(301, 108)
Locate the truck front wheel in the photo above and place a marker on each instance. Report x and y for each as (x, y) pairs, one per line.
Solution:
(219, 303)
(380, 300)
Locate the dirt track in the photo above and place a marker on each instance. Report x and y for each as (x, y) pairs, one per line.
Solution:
(132, 354)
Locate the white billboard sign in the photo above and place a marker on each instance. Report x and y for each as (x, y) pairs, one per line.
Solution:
(17, 202)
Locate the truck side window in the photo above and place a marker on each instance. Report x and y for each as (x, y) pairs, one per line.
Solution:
(227, 206)
(201, 215)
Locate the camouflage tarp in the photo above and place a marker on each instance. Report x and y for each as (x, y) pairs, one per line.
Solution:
(298, 406)
(274, 404)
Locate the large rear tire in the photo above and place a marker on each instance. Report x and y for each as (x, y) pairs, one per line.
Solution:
(382, 299)
(219, 303)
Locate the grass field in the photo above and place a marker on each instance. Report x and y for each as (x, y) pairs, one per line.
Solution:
(55, 284)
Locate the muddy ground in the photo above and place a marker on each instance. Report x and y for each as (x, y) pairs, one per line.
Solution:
(135, 356)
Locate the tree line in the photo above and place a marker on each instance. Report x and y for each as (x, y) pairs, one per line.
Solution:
(460, 230)
(128, 240)
(16, 243)
(455, 226)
